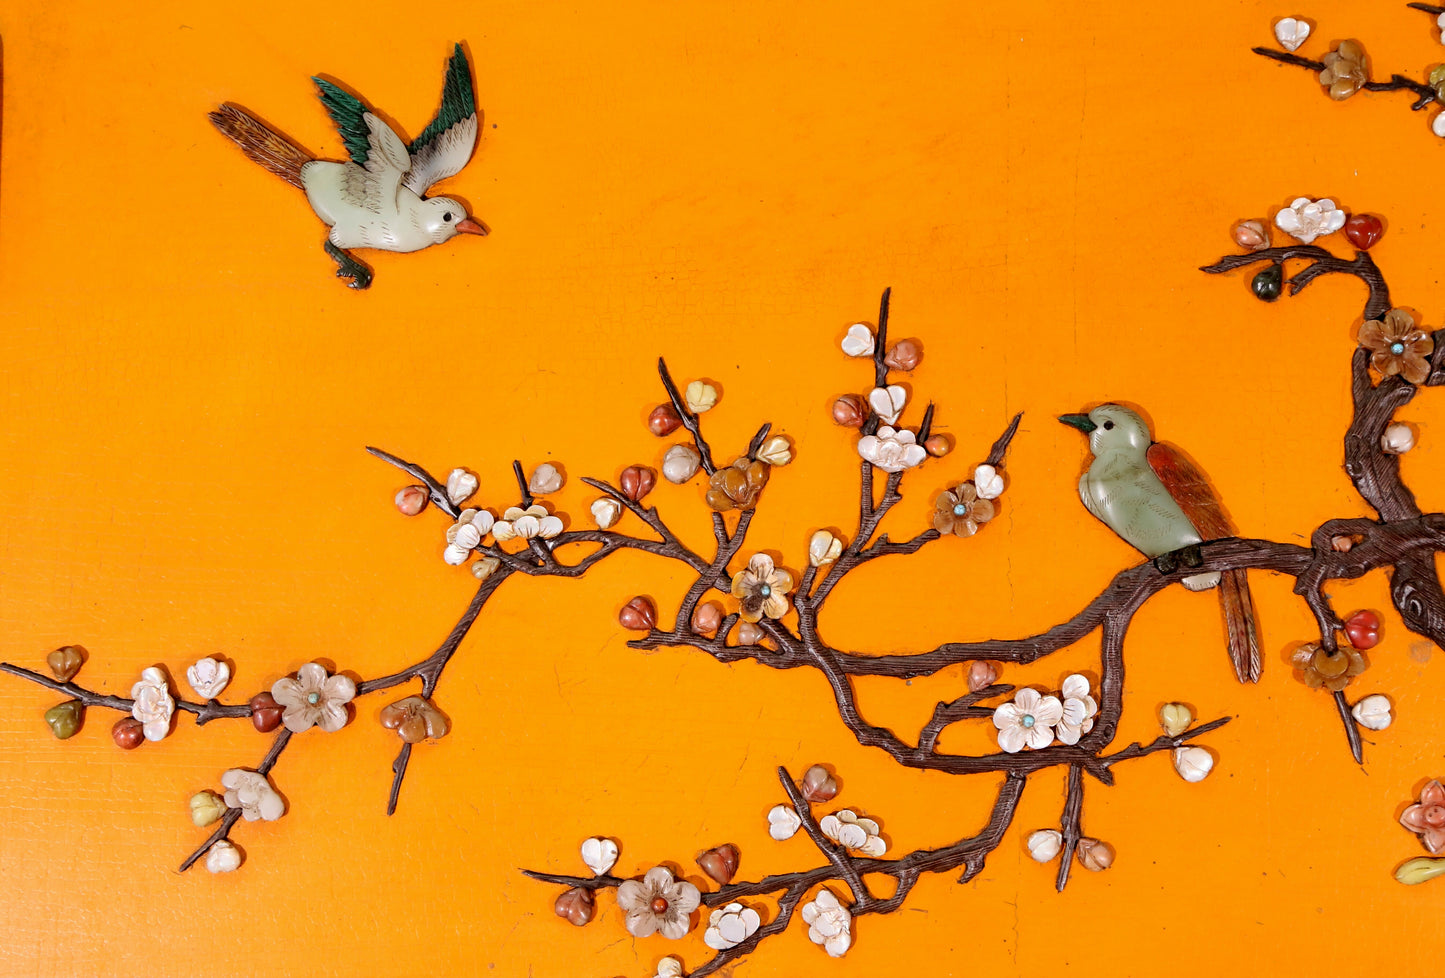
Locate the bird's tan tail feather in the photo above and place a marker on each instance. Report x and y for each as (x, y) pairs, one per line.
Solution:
(1239, 625)
(261, 143)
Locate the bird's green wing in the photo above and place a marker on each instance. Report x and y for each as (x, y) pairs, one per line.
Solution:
(458, 101)
(348, 112)
(446, 144)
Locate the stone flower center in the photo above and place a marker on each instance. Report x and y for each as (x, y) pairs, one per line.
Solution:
(1028, 720)
(1397, 347)
(765, 590)
(659, 905)
(313, 698)
(960, 510)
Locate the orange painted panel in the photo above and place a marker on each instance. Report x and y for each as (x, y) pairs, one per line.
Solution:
(187, 392)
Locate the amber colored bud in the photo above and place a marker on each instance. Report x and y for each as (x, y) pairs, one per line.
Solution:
(706, 618)
(128, 733)
(1342, 544)
(415, 719)
(720, 863)
(637, 481)
(265, 712)
(818, 785)
(1094, 855)
(938, 445)
(850, 411)
(905, 355)
(412, 500)
(65, 662)
(749, 634)
(65, 718)
(981, 673)
(639, 615)
(663, 420)
(577, 906)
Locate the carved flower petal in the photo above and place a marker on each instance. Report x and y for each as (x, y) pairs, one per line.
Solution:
(1011, 739)
(875, 847)
(1039, 736)
(549, 527)
(1075, 686)
(1006, 715)
(1049, 711)
(1432, 794)
(454, 555)
(642, 922)
(684, 897)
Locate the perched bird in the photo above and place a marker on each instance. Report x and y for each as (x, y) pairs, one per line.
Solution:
(1161, 504)
(376, 200)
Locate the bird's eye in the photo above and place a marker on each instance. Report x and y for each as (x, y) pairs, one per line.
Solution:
(1108, 426)
(447, 216)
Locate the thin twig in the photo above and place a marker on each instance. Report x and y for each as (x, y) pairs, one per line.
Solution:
(1069, 823)
(1352, 731)
(689, 419)
(229, 819)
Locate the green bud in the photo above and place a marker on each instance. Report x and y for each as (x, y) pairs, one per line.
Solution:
(65, 718)
(1268, 284)
(207, 807)
(1419, 870)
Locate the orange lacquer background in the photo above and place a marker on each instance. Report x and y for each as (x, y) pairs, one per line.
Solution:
(187, 392)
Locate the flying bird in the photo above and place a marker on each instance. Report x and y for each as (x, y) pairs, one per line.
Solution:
(377, 199)
(1154, 497)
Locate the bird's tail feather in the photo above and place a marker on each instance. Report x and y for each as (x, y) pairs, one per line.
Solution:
(1239, 625)
(261, 143)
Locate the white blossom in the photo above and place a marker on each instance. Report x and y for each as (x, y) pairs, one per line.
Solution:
(253, 795)
(153, 703)
(1028, 721)
(829, 923)
(892, 451)
(852, 832)
(466, 534)
(524, 524)
(208, 677)
(1079, 709)
(729, 926)
(1307, 219)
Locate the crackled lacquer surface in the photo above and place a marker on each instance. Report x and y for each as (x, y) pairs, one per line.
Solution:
(187, 391)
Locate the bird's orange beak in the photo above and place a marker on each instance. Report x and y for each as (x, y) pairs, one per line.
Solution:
(470, 226)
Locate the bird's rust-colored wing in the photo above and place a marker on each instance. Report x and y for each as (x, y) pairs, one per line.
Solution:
(1191, 490)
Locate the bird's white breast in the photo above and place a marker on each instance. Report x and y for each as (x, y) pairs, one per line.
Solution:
(343, 195)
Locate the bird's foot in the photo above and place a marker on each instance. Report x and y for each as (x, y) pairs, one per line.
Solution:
(1190, 556)
(347, 266)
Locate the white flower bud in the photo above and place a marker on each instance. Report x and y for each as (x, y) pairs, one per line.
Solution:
(1397, 439)
(1373, 712)
(680, 464)
(1175, 718)
(1193, 763)
(606, 511)
(1045, 844)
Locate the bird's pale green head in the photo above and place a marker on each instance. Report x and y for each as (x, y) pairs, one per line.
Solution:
(1111, 428)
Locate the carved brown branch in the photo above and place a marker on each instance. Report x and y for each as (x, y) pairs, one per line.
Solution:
(969, 853)
(223, 830)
